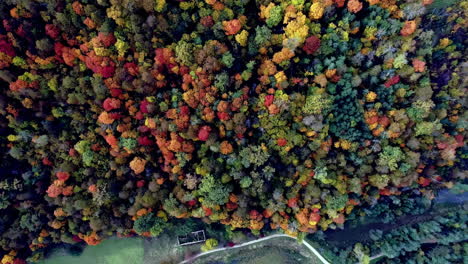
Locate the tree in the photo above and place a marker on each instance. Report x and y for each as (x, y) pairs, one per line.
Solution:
(149, 223)
(390, 157)
(210, 244)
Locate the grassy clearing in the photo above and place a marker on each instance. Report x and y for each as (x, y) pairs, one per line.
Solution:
(159, 250)
(111, 251)
(280, 250)
(164, 250)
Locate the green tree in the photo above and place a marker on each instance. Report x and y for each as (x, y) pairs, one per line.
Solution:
(149, 223)
(210, 244)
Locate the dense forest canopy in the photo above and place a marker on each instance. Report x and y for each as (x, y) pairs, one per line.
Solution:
(118, 116)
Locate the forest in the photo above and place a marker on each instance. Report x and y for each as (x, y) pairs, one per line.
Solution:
(123, 117)
(401, 229)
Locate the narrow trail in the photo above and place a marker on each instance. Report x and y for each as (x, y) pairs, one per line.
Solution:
(322, 259)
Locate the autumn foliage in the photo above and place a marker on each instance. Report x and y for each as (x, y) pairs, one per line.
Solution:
(126, 117)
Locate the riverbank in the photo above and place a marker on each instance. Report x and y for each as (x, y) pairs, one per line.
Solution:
(351, 235)
(339, 245)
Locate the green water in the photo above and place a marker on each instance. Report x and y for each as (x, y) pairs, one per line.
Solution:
(442, 3)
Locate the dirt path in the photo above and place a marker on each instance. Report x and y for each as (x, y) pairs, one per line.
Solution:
(322, 259)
